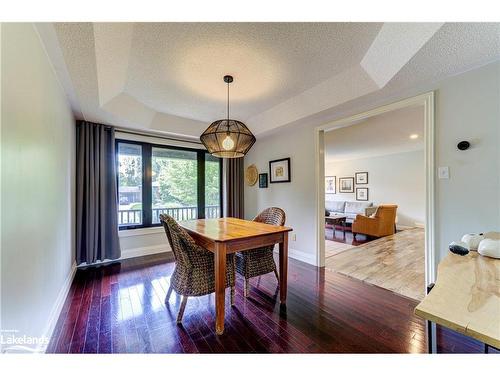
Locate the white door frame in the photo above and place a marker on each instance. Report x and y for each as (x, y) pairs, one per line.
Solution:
(427, 100)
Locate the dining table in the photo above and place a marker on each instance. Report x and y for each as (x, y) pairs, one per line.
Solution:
(465, 298)
(228, 235)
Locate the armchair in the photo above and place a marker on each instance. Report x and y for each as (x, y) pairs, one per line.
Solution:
(260, 261)
(380, 225)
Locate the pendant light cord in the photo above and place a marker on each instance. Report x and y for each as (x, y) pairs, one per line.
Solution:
(228, 107)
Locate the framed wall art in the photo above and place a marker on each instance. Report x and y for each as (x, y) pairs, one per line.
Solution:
(346, 185)
(361, 178)
(262, 180)
(279, 170)
(330, 184)
(361, 194)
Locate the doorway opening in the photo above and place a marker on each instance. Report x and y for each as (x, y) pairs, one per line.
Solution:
(376, 196)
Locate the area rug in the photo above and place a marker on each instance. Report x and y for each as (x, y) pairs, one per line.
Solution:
(333, 248)
(394, 262)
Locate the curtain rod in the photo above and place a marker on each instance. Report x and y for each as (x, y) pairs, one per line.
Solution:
(150, 134)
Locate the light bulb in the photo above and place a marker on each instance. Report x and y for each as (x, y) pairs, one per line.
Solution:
(228, 143)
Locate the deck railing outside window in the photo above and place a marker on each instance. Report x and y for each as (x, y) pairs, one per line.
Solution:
(133, 217)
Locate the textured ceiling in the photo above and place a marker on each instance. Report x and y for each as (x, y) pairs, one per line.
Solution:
(454, 49)
(177, 68)
(383, 134)
(168, 76)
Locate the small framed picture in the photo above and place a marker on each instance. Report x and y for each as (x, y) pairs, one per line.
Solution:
(361, 194)
(361, 178)
(279, 170)
(346, 185)
(330, 182)
(262, 180)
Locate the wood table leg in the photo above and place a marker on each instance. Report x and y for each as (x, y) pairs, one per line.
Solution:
(283, 267)
(220, 286)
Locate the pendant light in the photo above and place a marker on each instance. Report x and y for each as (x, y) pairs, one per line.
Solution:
(227, 138)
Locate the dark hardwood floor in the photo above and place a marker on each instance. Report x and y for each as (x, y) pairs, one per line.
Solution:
(338, 235)
(119, 308)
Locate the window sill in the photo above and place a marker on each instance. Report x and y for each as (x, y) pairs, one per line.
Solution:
(140, 231)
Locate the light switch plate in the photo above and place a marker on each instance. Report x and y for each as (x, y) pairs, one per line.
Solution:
(443, 173)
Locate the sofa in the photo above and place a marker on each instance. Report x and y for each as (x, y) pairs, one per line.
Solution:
(349, 209)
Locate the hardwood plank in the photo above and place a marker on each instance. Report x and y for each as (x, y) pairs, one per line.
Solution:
(326, 312)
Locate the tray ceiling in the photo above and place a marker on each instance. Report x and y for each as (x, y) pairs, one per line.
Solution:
(168, 76)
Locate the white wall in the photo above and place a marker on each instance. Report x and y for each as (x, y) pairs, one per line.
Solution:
(296, 197)
(143, 241)
(467, 107)
(37, 190)
(396, 178)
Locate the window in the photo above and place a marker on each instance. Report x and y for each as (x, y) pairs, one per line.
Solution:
(129, 184)
(155, 179)
(213, 189)
(175, 184)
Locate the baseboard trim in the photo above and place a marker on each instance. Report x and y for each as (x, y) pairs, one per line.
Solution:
(57, 308)
(301, 256)
(132, 253)
(404, 227)
(146, 250)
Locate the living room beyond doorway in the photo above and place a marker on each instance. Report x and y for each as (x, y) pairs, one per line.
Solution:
(375, 200)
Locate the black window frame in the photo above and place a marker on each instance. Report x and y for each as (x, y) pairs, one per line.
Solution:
(147, 204)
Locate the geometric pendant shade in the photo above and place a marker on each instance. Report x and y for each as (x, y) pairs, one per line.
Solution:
(227, 138)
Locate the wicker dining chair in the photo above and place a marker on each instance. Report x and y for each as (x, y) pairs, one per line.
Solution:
(256, 262)
(194, 273)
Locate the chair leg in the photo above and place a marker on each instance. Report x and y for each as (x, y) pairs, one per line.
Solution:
(277, 276)
(181, 309)
(246, 289)
(232, 295)
(169, 293)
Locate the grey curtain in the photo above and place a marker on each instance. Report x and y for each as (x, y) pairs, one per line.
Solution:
(233, 187)
(96, 198)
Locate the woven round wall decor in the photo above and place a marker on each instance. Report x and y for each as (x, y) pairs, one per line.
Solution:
(251, 175)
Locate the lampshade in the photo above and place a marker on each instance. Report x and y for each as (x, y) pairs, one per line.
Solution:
(227, 138)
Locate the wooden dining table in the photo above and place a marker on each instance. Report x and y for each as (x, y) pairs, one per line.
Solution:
(229, 235)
